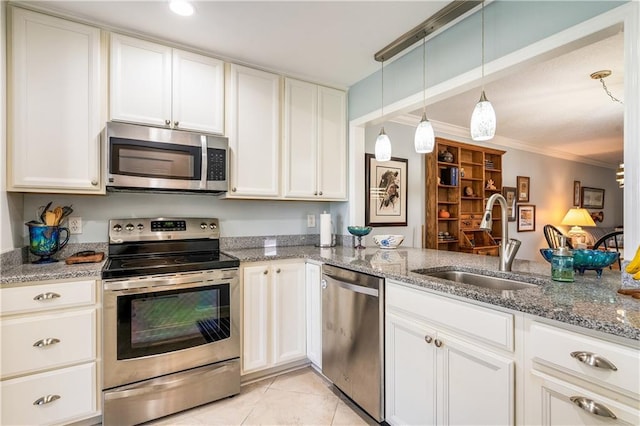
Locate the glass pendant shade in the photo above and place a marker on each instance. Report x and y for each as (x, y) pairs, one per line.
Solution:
(383, 147)
(424, 139)
(483, 120)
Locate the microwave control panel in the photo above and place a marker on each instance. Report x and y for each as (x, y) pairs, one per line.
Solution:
(216, 164)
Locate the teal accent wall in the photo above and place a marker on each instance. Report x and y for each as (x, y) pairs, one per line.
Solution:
(510, 25)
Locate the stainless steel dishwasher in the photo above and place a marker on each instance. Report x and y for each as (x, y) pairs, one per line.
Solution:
(353, 336)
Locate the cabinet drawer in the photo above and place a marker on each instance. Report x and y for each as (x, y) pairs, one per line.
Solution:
(492, 327)
(553, 346)
(28, 345)
(75, 386)
(34, 298)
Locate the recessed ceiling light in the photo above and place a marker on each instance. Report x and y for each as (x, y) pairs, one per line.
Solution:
(181, 7)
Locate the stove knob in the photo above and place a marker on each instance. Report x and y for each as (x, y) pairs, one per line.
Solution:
(129, 227)
(203, 225)
(140, 227)
(213, 226)
(117, 228)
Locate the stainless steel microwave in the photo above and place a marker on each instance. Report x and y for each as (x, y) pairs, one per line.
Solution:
(140, 158)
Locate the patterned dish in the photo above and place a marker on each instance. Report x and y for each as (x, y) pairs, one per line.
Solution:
(388, 241)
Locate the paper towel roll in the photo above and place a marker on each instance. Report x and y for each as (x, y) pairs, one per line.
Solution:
(325, 229)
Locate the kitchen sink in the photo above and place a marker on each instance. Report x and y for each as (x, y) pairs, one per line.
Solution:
(479, 280)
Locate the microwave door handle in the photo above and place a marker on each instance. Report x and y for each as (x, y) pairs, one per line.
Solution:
(205, 166)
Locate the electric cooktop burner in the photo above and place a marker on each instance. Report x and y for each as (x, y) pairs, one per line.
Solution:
(141, 247)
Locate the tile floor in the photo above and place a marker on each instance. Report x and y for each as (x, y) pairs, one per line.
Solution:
(300, 397)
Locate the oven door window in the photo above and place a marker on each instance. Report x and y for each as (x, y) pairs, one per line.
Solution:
(165, 321)
(155, 159)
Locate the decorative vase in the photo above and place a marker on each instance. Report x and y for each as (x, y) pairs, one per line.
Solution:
(442, 213)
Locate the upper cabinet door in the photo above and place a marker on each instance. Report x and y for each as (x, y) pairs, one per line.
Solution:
(55, 81)
(254, 133)
(300, 139)
(140, 81)
(198, 92)
(332, 143)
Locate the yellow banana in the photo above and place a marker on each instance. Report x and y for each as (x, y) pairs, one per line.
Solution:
(636, 276)
(634, 266)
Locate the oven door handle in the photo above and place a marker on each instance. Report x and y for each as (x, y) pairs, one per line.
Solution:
(197, 277)
(162, 384)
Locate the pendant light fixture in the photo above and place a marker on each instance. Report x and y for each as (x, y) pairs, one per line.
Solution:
(424, 139)
(483, 119)
(383, 143)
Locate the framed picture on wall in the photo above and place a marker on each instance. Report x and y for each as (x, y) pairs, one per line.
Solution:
(385, 192)
(522, 183)
(509, 193)
(526, 217)
(576, 193)
(592, 198)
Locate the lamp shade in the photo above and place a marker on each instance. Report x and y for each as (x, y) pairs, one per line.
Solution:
(578, 217)
(483, 120)
(383, 147)
(424, 140)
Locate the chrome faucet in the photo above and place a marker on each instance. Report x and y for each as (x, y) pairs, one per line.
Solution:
(508, 247)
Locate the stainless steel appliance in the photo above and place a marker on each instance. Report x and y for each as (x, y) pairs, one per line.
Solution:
(150, 158)
(171, 311)
(353, 336)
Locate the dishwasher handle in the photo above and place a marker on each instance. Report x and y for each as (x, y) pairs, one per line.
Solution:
(348, 285)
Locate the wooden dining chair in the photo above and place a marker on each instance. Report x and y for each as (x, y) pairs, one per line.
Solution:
(610, 241)
(553, 234)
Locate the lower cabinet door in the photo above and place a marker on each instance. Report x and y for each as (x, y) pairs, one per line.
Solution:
(410, 373)
(55, 397)
(477, 386)
(562, 404)
(288, 310)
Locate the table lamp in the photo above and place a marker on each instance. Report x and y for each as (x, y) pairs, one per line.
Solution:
(576, 218)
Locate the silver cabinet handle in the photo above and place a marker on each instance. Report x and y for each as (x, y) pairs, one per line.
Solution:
(265, 272)
(94, 182)
(46, 342)
(593, 360)
(167, 122)
(315, 193)
(46, 296)
(323, 283)
(278, 271)
(438, 343)
(320, 192)
(176, 123)
(233, 189)
(592, 407)
(46, 399)
(428, 339)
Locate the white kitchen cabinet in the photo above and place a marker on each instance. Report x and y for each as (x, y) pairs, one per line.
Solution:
(434, 375)
(49, 353)
(313, 277)
(253, 114)
(274, 317)
(578, 379)
(161, 86)
(55, 85)
(314, 143)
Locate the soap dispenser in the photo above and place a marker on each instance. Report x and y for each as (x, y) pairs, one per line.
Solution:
(562, 263)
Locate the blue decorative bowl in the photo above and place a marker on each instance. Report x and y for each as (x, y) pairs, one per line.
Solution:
(584, 260)
(359, 231)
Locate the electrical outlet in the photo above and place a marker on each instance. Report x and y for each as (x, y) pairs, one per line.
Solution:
(75, 225)
(311, 221)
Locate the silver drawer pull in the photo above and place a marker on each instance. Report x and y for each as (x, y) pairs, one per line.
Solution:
(594, 360)
(438, 343)
(428, 339)
(46, 342)
(46, 296)
(46, 399)
(592, 407)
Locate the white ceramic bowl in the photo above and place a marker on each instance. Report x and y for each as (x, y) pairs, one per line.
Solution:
(388, 241)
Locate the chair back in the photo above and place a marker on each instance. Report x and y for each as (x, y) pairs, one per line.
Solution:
(552, 235)
(610, 241)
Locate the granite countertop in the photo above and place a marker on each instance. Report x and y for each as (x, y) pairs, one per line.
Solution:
(589, 302)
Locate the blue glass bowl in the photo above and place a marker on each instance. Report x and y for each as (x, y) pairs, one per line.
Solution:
(359, 231)
(584, 260)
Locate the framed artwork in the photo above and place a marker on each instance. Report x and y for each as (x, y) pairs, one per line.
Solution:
(592, 198)
(576, 193)
(522, 183)
(509, 193)
(385, 191)
(526, 217)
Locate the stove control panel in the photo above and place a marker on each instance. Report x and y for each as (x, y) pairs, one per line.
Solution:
(158, 229)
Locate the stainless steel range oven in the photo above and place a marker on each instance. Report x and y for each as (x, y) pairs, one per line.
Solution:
(171, 305)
